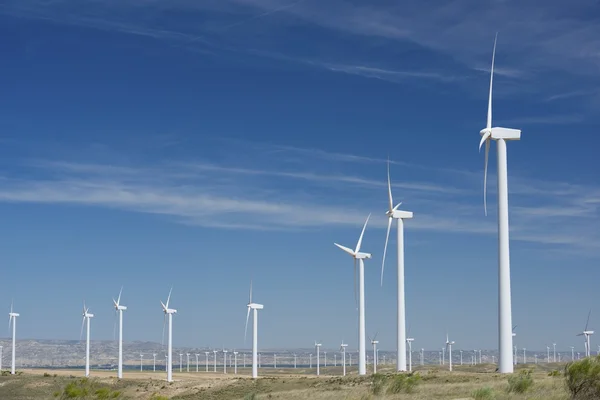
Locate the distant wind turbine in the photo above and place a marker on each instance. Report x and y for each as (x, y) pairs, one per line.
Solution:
(12, 318)
(343, 350)
(235, 353)
(215, 364)
(119, 309)
(501, 135)
(399, 216)
(358, 255)
(169, 315)
(86, 318)
(449, 346)
(206, 366)
(374, 342)
(254, 307)
(409, 341)
(318, 346)
(224, 361)
(587, 333)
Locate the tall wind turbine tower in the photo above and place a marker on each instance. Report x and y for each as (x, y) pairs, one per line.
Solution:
(254, 307)
(86, 318)
(169, 315)
(12, 318)
(399, 216)
(500, 135)
(358, 255)
(119, 309)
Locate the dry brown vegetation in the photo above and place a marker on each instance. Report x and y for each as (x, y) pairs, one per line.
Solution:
(479, 382)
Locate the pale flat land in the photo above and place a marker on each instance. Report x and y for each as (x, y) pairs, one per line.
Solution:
(286, 384)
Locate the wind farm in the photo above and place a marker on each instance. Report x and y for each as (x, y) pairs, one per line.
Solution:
(228, 152)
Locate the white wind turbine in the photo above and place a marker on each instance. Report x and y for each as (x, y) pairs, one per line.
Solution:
(374, 342)
(513, 335)
(119, 309)
(254, 307)
(501, 135)
(12, 318)
(343, 349)
(86, 317)
(358, 255)
(587, 333)
(449, 347)
(318, 346)
(409, 341)
(169, 314)
(400, 216)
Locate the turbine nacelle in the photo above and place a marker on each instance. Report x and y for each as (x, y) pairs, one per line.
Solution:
(13, 314)
(409, 339)
(399, 214)
(362, 256)
(121, 308)
(256, 306)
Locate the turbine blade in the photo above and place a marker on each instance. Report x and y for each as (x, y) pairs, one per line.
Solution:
(485, 168)
(361, 235)
(81, 332)
(588, 320)
(250, 292)
(387, 236)
(119, 298)
(375, 337)
(514, 327)
(11, 306)
(115, 326)
(390, 186)
(346, 249)
(169, 298)
(246, 329)
(489, 115)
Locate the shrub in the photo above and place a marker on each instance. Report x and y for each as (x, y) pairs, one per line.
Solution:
(485, 393)
(158, 397)
(378, 383)
(404, 383)
(72, 391)
(103, 393)
(554, 372)
(520, 383)
(582, 378)
(250, 396)
(46, 375)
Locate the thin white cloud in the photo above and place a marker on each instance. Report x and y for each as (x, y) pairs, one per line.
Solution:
(218, 196)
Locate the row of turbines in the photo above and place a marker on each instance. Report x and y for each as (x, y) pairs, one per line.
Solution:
(505, 332)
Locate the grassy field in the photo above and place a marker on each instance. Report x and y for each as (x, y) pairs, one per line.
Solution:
(434, 383)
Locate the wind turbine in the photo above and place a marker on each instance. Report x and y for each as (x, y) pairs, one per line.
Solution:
(154, 362)
(317, 346)
(343, 350)
(235, 353)
(587, 335)
(500, 135)
(554, 356)
(400, 216)
(206, 353)
(409, 341)
(374, 342)
(225, 361)
(524, 355)
(254, 307)
(141, 362)
(215, 364)
(169, 314)
(358, 255)
(12, 318)
(86, 317)
(119, 309)
(449, 346)
(513, 335)
(197, 355)
(1, 358)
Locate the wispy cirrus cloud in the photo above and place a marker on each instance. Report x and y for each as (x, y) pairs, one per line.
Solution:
(390, 41)
(269, 197)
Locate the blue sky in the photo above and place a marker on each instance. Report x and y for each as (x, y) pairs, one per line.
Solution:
(202, 144)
